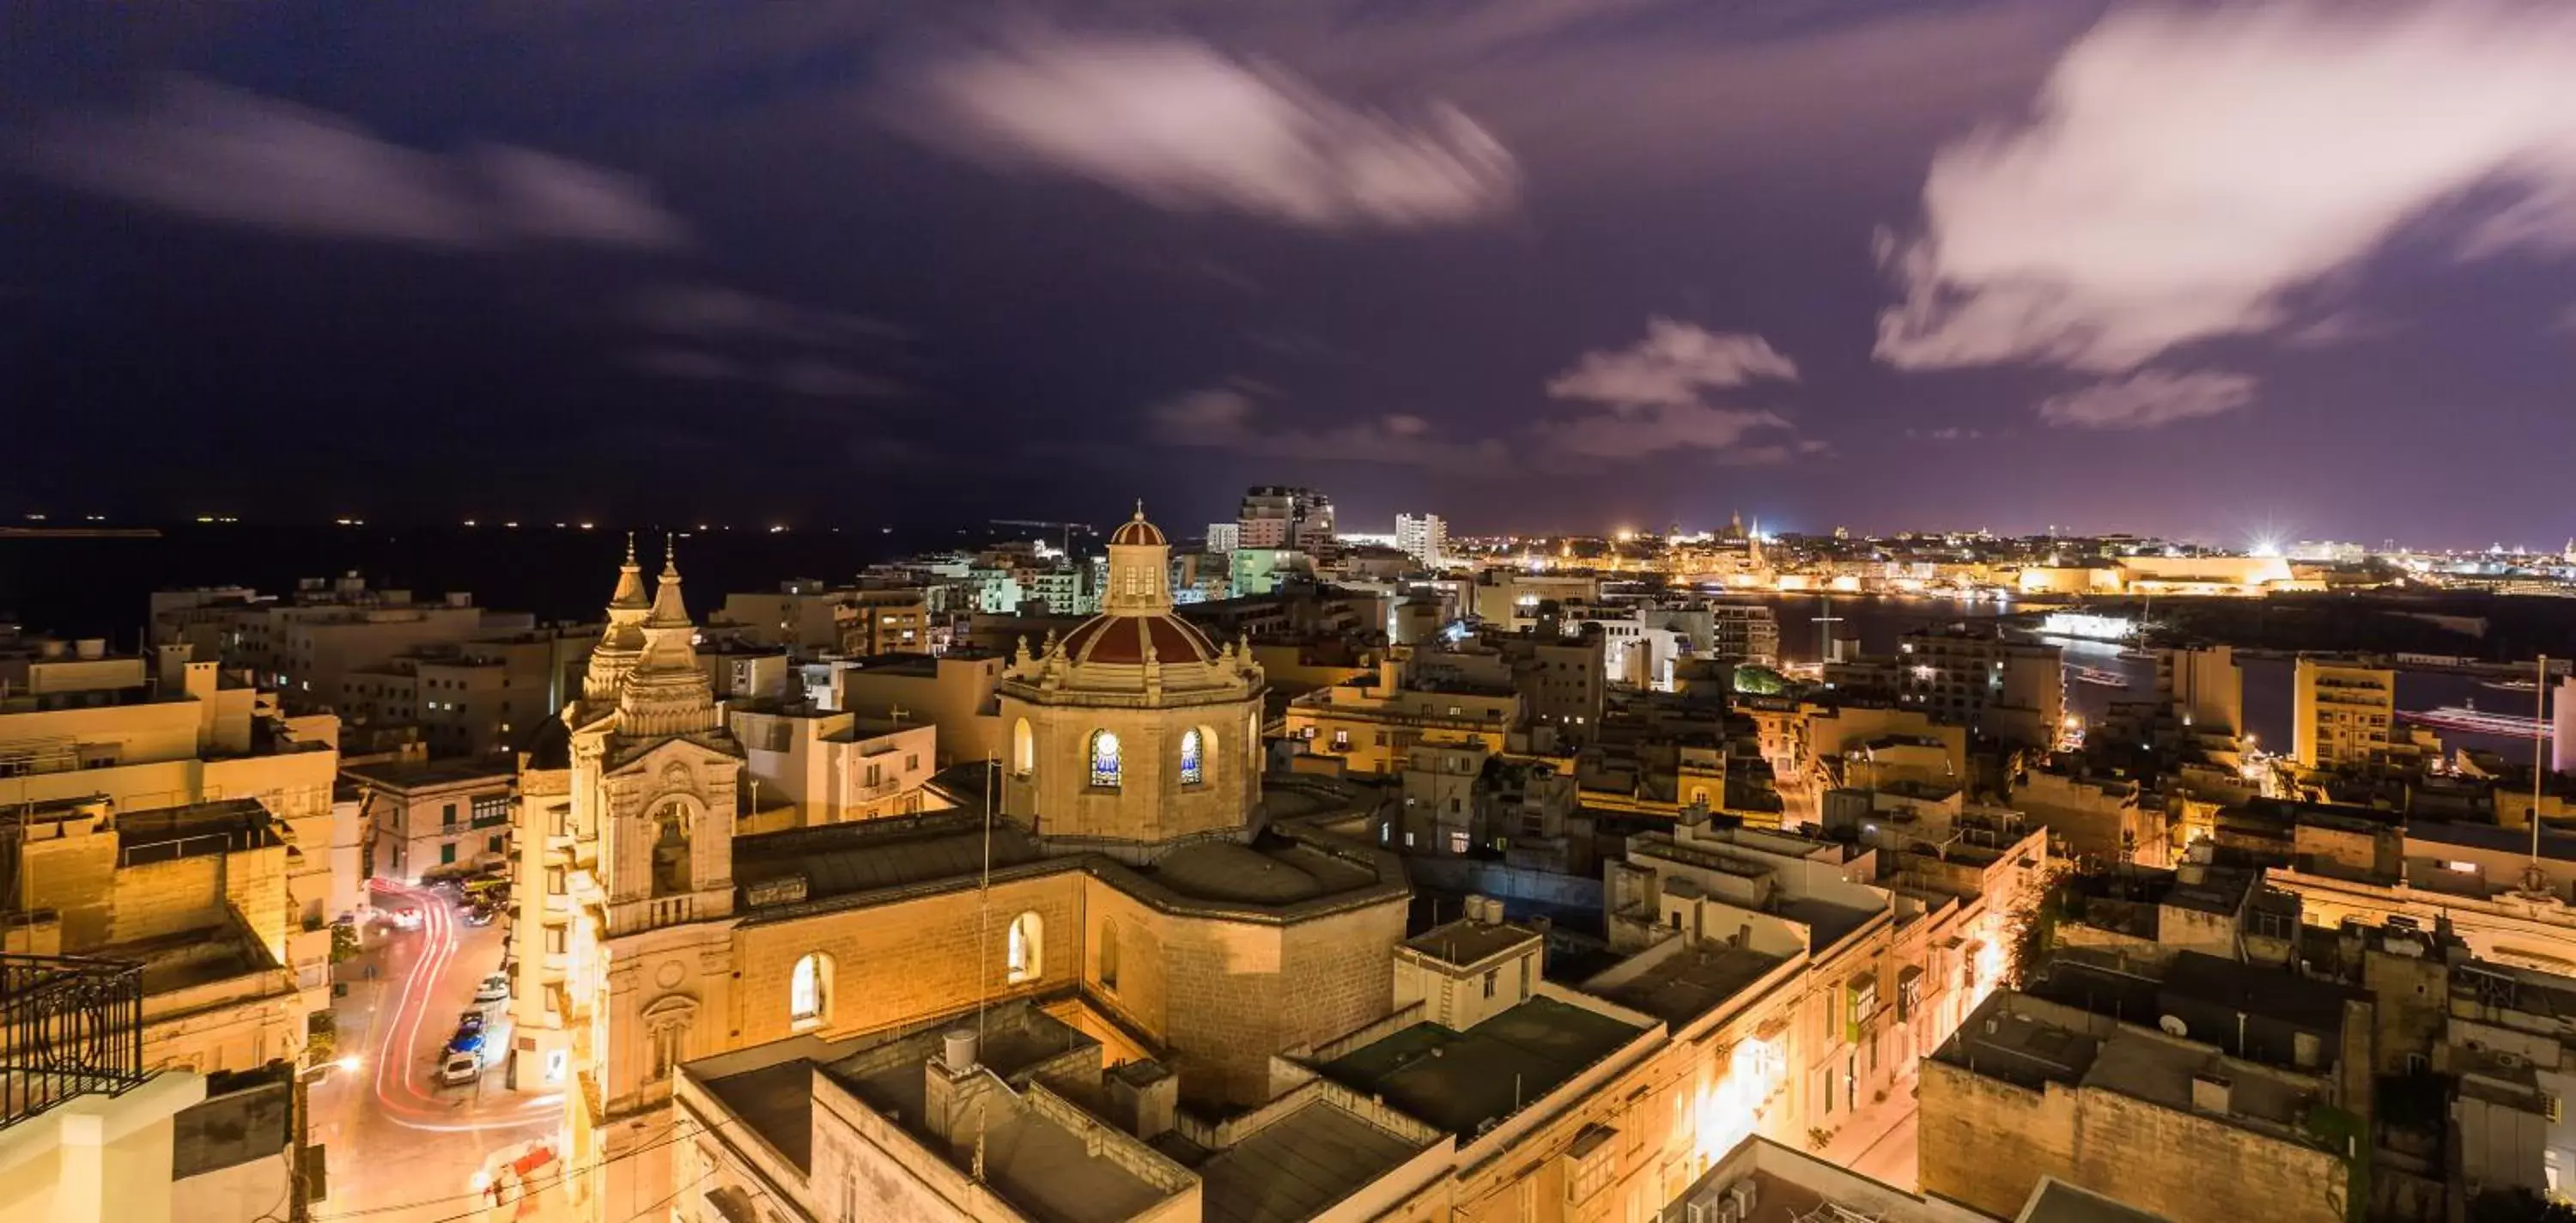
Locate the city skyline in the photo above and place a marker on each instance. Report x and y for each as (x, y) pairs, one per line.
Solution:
(1551, 269)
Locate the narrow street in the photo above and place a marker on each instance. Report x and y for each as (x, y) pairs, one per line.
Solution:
(402, 1147)
(1878, 1142)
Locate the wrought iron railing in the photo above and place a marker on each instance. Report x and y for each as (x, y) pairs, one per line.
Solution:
(69, 1027)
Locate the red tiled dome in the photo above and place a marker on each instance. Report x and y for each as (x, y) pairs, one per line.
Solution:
(1121, 639)
(1138, 531)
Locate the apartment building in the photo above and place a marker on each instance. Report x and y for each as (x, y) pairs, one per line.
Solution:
(806, 767)
(2340, 714)
(436, 818)
(2011, 690)
(1371, 723)
(306, 645)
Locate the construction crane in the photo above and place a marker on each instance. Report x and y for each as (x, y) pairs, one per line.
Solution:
(1064, 530)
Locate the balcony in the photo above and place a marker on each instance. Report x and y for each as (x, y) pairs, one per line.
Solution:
(69, 1027)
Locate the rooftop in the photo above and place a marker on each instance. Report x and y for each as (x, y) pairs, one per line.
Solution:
(224, 826)
(1692, 981)
(1296, 1166)
(2055, 1201)
(1466, 941)
(2031, 1042)
(1459, 1081)
(433, 774)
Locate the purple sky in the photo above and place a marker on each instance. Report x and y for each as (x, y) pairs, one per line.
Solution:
(2211, 270)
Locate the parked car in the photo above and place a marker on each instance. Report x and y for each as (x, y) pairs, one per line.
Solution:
(470, 1021)
(495, 988)
(403, 919)
(466, 1042)
(477, 915)
(460, 1069)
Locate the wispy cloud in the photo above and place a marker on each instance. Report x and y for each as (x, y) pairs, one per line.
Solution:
(1652, 393)
(202, 150)
(2149, 399)
(2186, 173)
(1181, 125)
(713, 310)
(1671, 367)
(1228, 417)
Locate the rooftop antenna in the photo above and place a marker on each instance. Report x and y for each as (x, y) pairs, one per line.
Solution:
(2539, 749)
(984, 910)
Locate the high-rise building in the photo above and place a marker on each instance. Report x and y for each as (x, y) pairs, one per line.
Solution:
(1224, 536)
(2342, 714)
(2012, 690)
(1275, 516)
(1423, 537)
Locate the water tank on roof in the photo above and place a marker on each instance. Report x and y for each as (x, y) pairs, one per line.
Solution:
(957, 1049)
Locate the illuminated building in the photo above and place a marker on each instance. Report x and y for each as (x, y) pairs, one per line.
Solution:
(2014, 691)
(2340, 714)
(1139, 891)
(1425, 538)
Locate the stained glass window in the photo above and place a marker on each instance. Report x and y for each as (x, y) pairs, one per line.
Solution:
(1104, 758)
(1190, 752)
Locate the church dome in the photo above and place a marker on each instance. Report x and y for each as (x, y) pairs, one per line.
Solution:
(1125, 639)
(1138, 531)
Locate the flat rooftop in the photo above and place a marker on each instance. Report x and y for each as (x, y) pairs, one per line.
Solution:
(159, 834)
(776, 1102)
(1467, 941)
(190, 958)
(2010, 1039)
(432, 774)
(1460, 1080)
(2055, 1201)
(845, 859)
(1039, 1166)
(1693, 981)
(1297, 1166)
(1827, 923)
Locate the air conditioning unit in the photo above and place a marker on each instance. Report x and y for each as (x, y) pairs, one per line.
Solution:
(1737, 1205)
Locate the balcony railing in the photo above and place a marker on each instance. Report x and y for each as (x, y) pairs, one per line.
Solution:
(69, 1027)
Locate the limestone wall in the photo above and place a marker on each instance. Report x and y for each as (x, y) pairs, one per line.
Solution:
(907, 959)
(1986, 1143)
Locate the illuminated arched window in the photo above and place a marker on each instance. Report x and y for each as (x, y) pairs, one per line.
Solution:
(1025, 959)
(1104, 759)
(1193, 748)
(809, 991)
(1024, 749)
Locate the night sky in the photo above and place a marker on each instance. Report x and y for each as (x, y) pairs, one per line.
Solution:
(2294, 270)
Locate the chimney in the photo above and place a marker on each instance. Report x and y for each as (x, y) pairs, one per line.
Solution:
(954, 1091)
(1143, 1098)
(2210, 1093)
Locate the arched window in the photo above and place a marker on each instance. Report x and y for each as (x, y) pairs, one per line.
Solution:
(809, 992)
(1104, 759)
(671, 849)
(1193, 748)
(1109, 955)
(1024, 749)
(1025, 953)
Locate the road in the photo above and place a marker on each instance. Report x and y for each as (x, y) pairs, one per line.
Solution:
(1892, 1158)
(401, 1147)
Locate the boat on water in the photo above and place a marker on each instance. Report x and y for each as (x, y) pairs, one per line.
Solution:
(2097, 677)
(2469, 719)
(2135, 654)
(2513, 685)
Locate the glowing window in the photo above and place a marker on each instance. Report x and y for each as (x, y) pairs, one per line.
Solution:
(1023, 962)
(809, 990)
(1104, 758)
(1191, 749)
(1024, 749)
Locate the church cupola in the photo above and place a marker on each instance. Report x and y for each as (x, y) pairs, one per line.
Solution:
(622, 642)
(1140, 569)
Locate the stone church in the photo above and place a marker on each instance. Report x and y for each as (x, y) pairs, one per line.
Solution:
(1133, 879)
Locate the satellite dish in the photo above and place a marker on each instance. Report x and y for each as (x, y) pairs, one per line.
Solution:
(2173, 1026)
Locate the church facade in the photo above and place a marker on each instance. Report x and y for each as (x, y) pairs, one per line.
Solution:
(1133, 878)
